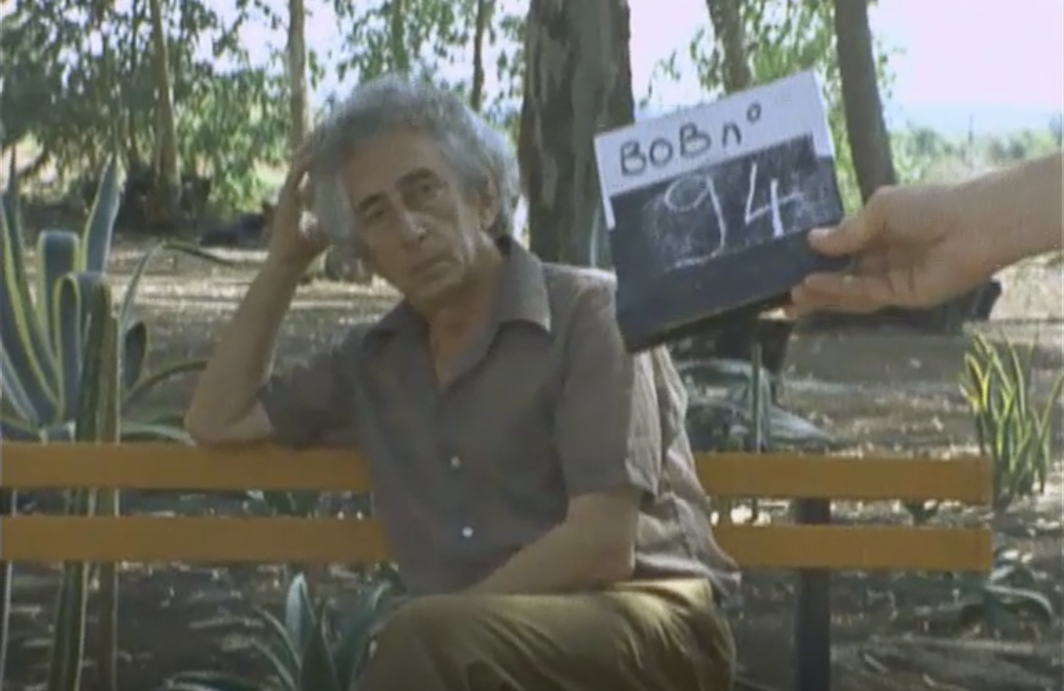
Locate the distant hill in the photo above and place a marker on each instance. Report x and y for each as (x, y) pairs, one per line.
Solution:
(957, 119)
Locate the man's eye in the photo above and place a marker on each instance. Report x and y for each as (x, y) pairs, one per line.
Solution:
(428, 188)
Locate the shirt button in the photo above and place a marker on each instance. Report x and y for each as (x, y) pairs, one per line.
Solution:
(456, 462)
(467, 532)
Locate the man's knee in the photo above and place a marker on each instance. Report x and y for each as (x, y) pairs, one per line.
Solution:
(420, 646)
(439, 621)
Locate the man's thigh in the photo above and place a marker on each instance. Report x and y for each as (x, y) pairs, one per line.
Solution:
(643, 636)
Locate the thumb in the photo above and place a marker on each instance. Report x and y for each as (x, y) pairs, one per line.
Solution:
(849, 237)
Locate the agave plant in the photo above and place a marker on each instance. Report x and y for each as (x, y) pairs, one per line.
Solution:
(745, 416)
(307, 649)
(42, 343)
(1010, 428)
(52, 357)
(95, 420)
(1000, 600)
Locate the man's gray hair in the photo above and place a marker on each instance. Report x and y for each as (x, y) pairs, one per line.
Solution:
(479, 153)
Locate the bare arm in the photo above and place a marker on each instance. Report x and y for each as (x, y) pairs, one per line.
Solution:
(593, 548)
(608, 435)
(224, 407)
(1017, 210)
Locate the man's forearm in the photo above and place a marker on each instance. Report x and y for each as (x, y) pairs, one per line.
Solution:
(1017, 211)
(242, 357)
(563, 560)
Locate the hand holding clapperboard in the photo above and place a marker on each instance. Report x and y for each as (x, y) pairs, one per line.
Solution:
(708, 208)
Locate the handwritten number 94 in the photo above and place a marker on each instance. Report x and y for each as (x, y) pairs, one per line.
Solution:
(678, 199)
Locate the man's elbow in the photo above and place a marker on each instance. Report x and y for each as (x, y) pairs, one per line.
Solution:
(202, 432)
(614, 561)
(206, 430)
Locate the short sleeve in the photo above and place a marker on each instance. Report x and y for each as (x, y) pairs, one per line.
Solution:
(606, 418)
(314, 398)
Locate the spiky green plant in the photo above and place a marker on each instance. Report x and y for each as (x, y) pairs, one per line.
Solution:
(49, 366)
(96, 420)
(998, 601)
(745, 416)
(1010, 427)
(307, 649)
(42, 343)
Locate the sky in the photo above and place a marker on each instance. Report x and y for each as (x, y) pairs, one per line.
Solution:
(957, 59)
(987, 64)
(958, 62)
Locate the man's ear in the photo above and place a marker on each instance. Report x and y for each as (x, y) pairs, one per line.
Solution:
(488, 206)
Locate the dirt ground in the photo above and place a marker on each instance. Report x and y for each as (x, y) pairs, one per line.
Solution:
(894, 392)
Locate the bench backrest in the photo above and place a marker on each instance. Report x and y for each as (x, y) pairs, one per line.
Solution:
(47, 538)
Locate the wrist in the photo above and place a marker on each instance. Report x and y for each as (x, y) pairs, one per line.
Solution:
(1014, 213)
(283, 272)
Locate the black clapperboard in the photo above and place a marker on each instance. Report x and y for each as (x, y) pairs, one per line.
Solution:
(708, 208)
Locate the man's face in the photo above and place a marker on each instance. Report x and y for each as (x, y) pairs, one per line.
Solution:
(422, 229)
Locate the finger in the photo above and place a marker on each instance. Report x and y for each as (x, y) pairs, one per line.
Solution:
(300, 165)
(849, 237)
(313, 233)
(841, 293)
(306, 193)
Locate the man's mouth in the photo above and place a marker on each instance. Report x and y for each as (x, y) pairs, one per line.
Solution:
(424, 267)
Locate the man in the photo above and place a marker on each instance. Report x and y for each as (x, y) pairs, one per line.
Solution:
(921, 245)
(534, 479)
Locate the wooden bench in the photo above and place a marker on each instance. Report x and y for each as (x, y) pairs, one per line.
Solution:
(814, 546)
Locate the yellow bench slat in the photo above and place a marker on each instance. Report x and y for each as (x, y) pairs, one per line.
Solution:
(773, 475)
(147, 539)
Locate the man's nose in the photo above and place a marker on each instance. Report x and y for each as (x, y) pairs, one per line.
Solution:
(411, 230)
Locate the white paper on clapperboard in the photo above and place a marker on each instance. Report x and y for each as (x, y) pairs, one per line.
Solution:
(790, 108)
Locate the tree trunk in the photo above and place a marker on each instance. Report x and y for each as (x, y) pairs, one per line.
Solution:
(168, 189)
(401, 61)
(485, 10)
(7, 508)
(866, 130)
(297, 74)
(577, 83)
(730, 34)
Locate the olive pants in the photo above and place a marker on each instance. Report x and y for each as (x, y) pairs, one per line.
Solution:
(640, 636)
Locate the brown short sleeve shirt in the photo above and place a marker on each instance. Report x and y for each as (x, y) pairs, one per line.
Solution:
(546, 406)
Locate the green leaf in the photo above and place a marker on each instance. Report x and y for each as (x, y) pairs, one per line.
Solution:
(12, 396)
(197, 686)
(209, 681)
(68, 640)
(28, 357)
(141, 432)
(14, 427)
(288, 674)
(319, 669)
(65, 319)
(99, 338)
(288, 656)
(351, 649)
(12, 219)
(1030, 601)
(129, 298)
(57, 256)
(298, 613)
(62, 433)
(135, 345)
(146, 384)
(96, 241)
(110, 384)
